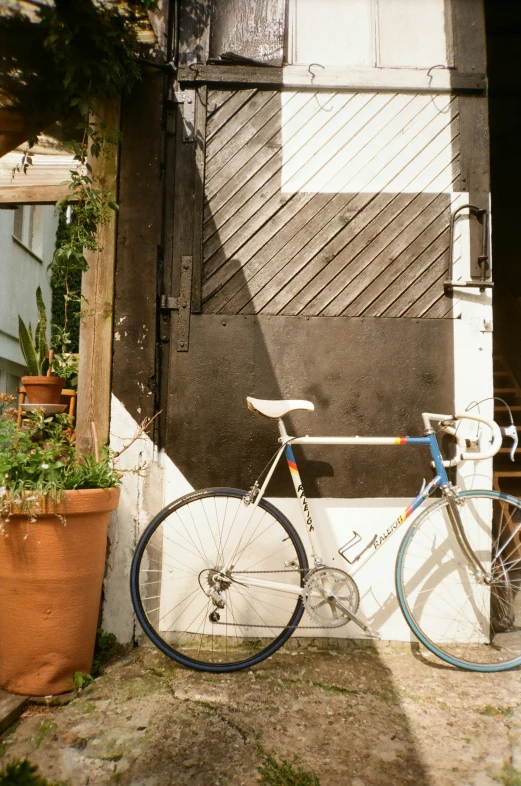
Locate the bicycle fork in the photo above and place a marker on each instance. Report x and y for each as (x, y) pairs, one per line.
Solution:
(456, 525)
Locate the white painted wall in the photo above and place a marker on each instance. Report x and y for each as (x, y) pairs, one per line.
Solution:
(22, 271)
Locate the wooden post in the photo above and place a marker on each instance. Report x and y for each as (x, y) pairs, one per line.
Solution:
(94, 381)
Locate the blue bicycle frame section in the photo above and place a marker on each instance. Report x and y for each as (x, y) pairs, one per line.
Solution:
(440, 480)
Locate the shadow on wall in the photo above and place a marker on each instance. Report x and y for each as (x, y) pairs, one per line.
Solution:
(331, 295)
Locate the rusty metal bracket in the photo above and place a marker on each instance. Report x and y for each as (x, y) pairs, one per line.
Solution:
(186, 99)
(182, 304)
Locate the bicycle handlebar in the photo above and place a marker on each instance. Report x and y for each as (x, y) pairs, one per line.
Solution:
(497, 438)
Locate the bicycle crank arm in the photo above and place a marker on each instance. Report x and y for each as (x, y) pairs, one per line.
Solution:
(352, 616)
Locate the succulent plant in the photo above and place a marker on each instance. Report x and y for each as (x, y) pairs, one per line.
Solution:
(35, 348)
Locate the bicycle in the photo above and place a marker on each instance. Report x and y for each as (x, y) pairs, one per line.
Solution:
(220, 578)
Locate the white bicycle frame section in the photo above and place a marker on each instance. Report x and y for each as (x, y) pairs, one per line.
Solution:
(446, 423)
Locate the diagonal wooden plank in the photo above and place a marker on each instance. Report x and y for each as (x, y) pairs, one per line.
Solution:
(383, 282)
(335, 255)
(387, 160)
(269, 157)
(335, 299)
(386, 147)
(308, 278)
(249, 219)
(223, 149)
(403, 230)
(262, 160)
(325, 280)
(432, 300)
(267, 229)
(357, 125)
(400, 288)
(277, 263)
(245, 154)
(277, 282)
(417, 288)
(216, 99)
(348, 118)
(223, 252)
(223, 105)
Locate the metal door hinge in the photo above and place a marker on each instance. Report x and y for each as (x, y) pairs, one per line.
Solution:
(181, 304)
(186, 99)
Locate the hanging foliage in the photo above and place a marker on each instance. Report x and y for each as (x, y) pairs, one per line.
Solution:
(58, 58)
(59, 61)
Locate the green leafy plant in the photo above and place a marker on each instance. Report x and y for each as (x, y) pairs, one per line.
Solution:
(57, 57)
(34, 346)
(40, 461)
(102, 652)
(21, 772)
(80, 680)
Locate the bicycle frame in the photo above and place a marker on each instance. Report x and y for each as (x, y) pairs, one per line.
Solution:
(440, 481)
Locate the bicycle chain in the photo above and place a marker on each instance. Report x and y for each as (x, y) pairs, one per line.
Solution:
(283, 627)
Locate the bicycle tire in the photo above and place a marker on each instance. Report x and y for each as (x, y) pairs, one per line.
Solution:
(460, 618)
(170, 593)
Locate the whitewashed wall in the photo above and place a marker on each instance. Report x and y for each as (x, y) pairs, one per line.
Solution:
(22, 271)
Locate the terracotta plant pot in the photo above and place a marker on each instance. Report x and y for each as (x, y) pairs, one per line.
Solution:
(51, 575)
(43, 390)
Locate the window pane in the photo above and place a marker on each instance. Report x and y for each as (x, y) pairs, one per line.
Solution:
(332, 32)
(18, 223)
(411, 33)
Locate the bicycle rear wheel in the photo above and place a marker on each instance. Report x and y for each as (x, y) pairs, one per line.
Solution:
(464, 620)
(185, 607)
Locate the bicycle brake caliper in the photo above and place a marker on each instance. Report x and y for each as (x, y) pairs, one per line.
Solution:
(252, 494)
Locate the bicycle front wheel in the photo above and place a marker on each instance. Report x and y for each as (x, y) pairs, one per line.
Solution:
(185, 605)
(467, 620)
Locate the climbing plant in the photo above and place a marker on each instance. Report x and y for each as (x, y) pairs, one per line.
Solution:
(59, 61)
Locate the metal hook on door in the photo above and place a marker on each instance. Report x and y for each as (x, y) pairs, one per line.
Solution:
(313, 75)
(485, 281)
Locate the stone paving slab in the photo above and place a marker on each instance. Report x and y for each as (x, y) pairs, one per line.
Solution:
(371, 715)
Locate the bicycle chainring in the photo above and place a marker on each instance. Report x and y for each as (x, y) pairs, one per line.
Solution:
(322, 607)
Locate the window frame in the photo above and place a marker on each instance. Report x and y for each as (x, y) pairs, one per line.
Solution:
(290, 42)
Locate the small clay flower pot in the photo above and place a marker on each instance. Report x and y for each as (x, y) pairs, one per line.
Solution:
(51, 575)
(43, 390)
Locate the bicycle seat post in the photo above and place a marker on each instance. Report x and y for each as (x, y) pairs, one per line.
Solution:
(282, 430)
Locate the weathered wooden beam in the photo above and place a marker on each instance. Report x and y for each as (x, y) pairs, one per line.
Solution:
(11, 707)
(16, 128)
(41, 195)
(437, 80)
(94, 380)
(13, 130)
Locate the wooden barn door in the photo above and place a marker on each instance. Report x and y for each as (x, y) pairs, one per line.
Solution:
(279, 291)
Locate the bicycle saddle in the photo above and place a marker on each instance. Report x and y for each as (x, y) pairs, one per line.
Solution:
(276, 409)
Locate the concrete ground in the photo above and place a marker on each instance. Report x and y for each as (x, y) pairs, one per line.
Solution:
(363, 715)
